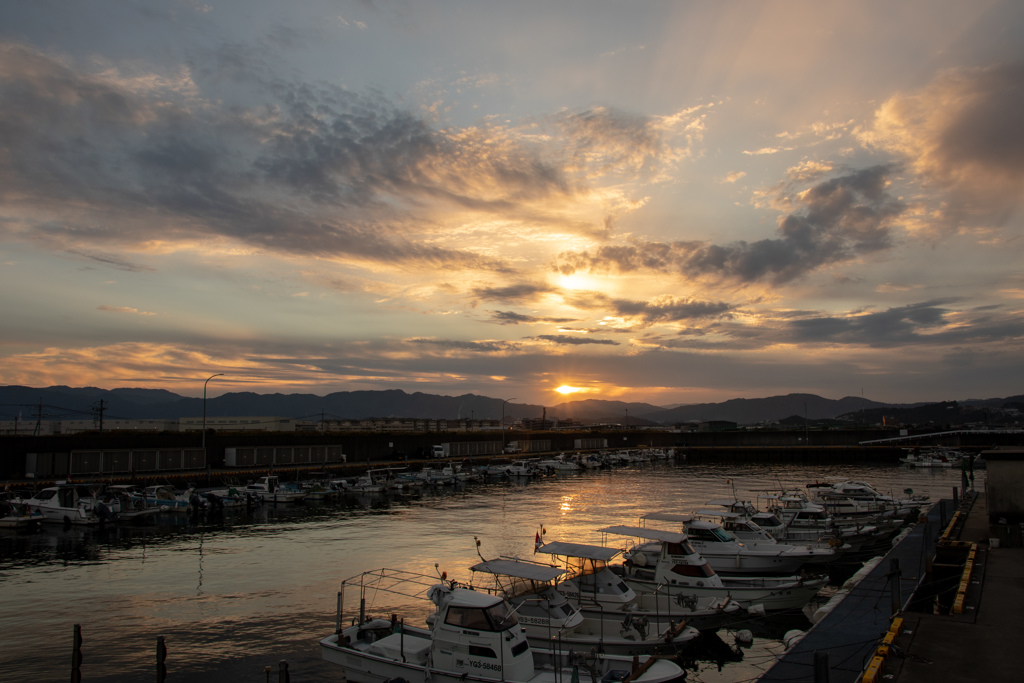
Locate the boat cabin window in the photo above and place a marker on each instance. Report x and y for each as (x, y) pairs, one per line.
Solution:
(46, 494)
(478, 651)
(704, 570)
(683, 548)
(769, 520)
(495, 618)
(67, 498)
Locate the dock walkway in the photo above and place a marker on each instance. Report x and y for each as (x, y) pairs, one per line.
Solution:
(981, 643)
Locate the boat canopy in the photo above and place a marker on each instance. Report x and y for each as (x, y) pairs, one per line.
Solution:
(645, 532)
(718, 513)
(667, 517)
(519, 570)
(598, 553)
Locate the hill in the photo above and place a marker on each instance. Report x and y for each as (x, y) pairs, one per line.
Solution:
(62, 402)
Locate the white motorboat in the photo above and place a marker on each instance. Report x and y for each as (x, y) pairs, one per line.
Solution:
(598, 589)
(123, 504)
(62, 504)
(551, 620)
(665, 568)
(856, 498)
(590, 582)
(435, 476)
(730, 556)
(750, 525)
(802, 519)
(560, 463)
(318, 488)
(166, 499)
(473, 637)
(522, 468)
(269, 489)
(231, 498)
(18, 516)
(938, 456)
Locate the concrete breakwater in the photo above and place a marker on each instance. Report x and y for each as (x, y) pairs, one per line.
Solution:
(386, 449)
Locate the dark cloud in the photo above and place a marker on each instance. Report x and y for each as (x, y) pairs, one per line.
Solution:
(523, 291)
(316, 171)
(840, 219)
(988, 129)
(456, 345)
(574, 341)
(110, 261)
(962, 134)
(929, 323)
(660, 310)
(511, 318)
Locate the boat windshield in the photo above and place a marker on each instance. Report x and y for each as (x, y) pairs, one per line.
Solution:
(497, 617)
(715, 534)
(501, 616)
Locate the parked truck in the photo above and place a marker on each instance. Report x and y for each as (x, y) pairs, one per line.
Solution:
(441, 450)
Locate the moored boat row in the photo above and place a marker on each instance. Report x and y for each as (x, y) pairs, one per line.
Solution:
(645, 599)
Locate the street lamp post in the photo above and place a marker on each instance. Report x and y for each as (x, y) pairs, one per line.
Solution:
(503, 423)
(807, 435)
(219, 374)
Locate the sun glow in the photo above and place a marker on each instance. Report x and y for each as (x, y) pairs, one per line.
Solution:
(566, 389)
(578, 281)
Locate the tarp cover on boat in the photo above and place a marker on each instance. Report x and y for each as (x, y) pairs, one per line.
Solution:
(519, 570)
(645, 532)
(586, 552)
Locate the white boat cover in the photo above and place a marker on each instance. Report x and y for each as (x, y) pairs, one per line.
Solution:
(645, 532)
(581, 550)
(519, 570)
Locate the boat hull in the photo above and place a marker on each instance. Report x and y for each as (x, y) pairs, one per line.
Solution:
(771, 594)
(551, 666)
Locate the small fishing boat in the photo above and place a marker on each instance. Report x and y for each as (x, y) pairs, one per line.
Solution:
(473, 637)
(550, 619)
(729, 556)
(61, 504)
(269, 489)
(166, 499)
(18, 516)
(856, 498)
(599, 589)
(665, 566)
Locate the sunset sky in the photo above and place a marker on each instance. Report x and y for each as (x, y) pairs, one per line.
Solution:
(669, 202)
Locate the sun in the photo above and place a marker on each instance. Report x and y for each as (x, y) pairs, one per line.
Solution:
(565, 389)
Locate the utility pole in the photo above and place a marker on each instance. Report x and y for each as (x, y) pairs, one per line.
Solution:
(99, 410)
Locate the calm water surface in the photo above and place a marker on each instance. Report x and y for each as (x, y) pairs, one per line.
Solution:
(235, 594)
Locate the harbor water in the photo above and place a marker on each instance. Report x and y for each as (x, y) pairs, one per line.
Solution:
(236, 593)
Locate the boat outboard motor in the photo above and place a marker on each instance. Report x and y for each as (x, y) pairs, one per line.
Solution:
(214, 501)
(104, 513)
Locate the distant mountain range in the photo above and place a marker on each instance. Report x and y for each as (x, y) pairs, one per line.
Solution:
(69, 403)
